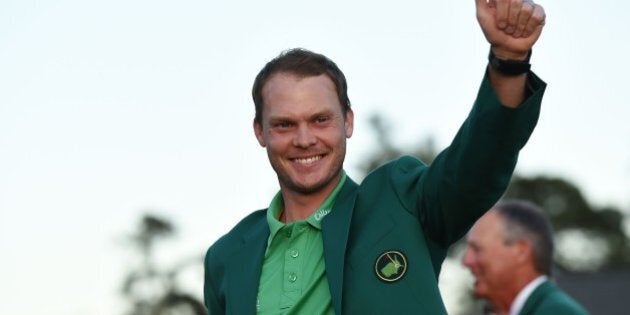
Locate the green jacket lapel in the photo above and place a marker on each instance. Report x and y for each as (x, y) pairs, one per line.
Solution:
(245, 268)
(335, 228)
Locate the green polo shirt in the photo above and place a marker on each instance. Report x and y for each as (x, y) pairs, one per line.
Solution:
(293, 278)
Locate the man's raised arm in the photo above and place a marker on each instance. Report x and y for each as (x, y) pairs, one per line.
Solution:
(511, 27)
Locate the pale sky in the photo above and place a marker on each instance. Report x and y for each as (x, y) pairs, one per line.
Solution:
(110, 108)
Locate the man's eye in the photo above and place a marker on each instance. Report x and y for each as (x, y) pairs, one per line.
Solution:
(283, 124)
(322, 119)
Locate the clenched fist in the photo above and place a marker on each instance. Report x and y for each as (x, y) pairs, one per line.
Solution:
(510, 26)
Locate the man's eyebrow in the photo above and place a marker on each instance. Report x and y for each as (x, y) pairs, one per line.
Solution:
(275, 118)
(279, 118)
(322, 113)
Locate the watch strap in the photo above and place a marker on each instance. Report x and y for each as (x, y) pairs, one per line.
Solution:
(509, 67)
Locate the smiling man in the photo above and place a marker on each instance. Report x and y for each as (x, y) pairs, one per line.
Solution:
(305, 133)
(327, 245)
(509, 252)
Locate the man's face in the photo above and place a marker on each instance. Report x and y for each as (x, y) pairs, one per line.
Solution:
(304, 130)
(489, 258)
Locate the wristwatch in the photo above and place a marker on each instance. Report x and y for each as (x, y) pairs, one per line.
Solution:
(509, 67)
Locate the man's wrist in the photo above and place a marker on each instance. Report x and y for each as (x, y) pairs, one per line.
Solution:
(510, 55)
(510, 66)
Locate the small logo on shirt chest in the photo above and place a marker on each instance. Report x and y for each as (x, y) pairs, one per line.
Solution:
(321, 213)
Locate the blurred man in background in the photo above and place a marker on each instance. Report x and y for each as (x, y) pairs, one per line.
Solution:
(510, 253)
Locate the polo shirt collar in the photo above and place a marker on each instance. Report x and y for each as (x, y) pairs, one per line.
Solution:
(315, 219)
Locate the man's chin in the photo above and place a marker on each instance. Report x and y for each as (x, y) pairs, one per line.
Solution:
(478, 290)
(307, 188)
(310, 185)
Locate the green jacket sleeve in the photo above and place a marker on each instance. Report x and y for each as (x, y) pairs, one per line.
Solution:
(472, 173)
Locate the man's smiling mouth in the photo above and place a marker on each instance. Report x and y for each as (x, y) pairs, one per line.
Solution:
(308, 160)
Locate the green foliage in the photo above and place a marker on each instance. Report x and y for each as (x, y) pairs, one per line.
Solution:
(150, 229)
(152, 289)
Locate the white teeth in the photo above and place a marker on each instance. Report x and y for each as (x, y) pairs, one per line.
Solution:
(309, 160)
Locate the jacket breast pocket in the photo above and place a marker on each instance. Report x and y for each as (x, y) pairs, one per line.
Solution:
(390, 271)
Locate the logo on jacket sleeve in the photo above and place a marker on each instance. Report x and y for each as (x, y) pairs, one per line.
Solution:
(390, 266)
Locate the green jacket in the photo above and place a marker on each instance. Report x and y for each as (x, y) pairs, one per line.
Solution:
(547, 299)
(403, 206)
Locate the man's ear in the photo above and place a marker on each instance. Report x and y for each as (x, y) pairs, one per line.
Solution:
(524, 250)
(258, 131)
(349, 123)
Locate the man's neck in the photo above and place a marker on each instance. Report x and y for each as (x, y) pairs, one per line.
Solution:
(523, 295)
(299, 206)
(503, 302)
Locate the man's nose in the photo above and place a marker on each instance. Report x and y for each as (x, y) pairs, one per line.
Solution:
(304, 137)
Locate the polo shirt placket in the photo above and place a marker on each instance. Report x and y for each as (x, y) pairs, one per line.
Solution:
(294, 266)
(293, 278)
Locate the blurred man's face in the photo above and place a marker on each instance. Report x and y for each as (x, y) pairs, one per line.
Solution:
(304, 131)
(489, 258)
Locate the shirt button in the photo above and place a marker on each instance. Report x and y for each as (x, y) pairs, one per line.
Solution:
(292, 277)
(294, 253)
(288, 233)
